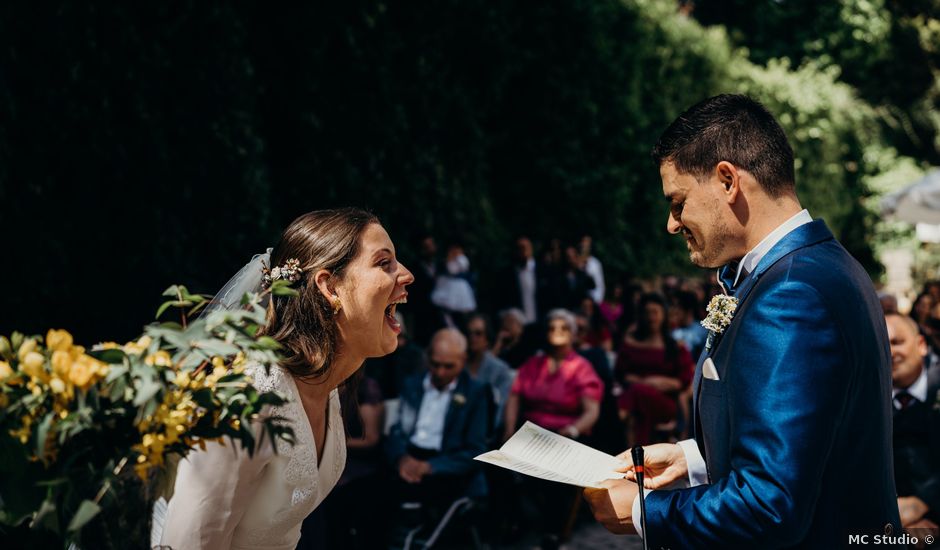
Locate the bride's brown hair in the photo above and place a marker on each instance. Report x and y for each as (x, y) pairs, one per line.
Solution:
(305, 324)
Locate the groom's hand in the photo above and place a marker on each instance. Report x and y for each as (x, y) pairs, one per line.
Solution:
(665, 463)
(613, 505)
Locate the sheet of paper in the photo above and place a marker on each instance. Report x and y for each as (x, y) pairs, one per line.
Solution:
(538, 452)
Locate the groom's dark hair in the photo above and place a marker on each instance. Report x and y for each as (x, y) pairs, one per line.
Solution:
(733, 128)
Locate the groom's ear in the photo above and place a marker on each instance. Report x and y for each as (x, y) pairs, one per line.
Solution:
(729, 177)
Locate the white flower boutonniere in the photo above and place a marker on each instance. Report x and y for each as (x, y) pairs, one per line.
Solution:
(720, 313)
(459, 399)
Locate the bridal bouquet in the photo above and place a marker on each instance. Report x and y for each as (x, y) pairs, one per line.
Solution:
(86, 434)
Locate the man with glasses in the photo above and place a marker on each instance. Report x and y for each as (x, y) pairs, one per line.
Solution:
(442, 425)
(485, 367)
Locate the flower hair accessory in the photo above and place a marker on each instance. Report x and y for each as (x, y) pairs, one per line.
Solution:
(290, 271)
(721, 310)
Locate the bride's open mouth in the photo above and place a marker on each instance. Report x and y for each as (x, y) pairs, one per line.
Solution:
(390, 319)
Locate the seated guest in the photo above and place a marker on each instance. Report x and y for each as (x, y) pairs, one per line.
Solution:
(515, 342)
(485, 367)
(559, 391)
(916, 427)
(442, 425)
(598, 333)
(687, 328)
(653, 369)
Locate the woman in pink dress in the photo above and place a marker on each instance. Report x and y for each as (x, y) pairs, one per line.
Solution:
(559, 391)
(653, 370)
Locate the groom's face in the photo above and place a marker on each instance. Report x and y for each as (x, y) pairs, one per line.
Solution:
(697, 211)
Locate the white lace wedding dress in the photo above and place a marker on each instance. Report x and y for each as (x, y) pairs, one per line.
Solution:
(225, 499)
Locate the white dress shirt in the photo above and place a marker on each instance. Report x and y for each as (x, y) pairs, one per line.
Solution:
(698, 472)
(429, 428)
(527, 289)
(918, 390)
(595, 270)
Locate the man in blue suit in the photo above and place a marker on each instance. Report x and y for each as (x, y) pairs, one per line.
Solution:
(792, 397)
(443, 423)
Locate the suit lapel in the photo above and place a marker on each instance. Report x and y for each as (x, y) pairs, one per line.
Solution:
(453, 409)
(808, 234)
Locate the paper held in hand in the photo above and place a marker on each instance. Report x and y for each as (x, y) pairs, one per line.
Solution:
(537, 452)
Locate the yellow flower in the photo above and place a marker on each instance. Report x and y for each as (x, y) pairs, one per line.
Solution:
(61, 363)
(161, 359)
(108, 345)
(5, 370)
(76, 351)
(57, 385)
(25, 348)
(58, 340)
(32, 364)
(138, 347)
(182, 379)
(81, 374)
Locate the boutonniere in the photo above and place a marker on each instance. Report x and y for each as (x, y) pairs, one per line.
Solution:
(459, 399)
(720, 313)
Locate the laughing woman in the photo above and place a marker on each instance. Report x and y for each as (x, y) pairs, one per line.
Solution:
(343, 265)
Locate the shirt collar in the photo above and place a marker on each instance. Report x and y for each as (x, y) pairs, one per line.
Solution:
(918, 389)
(756, 254)
(428, 386)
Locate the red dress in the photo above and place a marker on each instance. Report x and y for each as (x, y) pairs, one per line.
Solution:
(553, 400)
(647, 405)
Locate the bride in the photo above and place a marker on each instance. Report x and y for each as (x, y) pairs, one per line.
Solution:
(343, 265)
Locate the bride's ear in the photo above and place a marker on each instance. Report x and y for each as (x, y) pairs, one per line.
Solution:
(322, 280)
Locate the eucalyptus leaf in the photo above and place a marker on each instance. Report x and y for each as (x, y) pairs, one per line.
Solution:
(146, 390)
(87, 510)
(42, 432)
(110, 356)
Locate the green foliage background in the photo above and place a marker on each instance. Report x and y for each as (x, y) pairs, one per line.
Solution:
(143, 145)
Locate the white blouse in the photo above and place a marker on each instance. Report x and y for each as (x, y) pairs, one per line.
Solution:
(225, 499)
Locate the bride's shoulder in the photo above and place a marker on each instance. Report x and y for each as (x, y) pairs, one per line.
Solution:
(271, 378)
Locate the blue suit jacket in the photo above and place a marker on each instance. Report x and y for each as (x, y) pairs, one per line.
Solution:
(466, 427)
(796, 433)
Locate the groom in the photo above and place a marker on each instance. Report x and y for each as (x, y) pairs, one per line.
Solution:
(792, 409)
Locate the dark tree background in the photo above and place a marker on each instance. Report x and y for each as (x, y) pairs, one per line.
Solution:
(143, 145)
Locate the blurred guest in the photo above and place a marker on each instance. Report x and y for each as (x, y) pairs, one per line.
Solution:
(521, 287)
(559, 391)
(916, 427)
(889, 302)
(453, 292)
(921, 308)
(612, 306)
(688, 329)
(485, 367)
(427, 316)
(598, 334)
(515, 342)
(569, 283)
(363, 418)
(593, 267)
(390, 371)
(442, 425)
(654, 370)
(607, 435)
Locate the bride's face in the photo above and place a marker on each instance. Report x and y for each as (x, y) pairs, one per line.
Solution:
(373, 285)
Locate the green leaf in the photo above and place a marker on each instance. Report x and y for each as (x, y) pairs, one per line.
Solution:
(46, 516)
(6, 349)
(110, 356)
(266, 342)
(282, 288)
(42, 432)
(175, 290)
(87, 510)
(147, 389)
